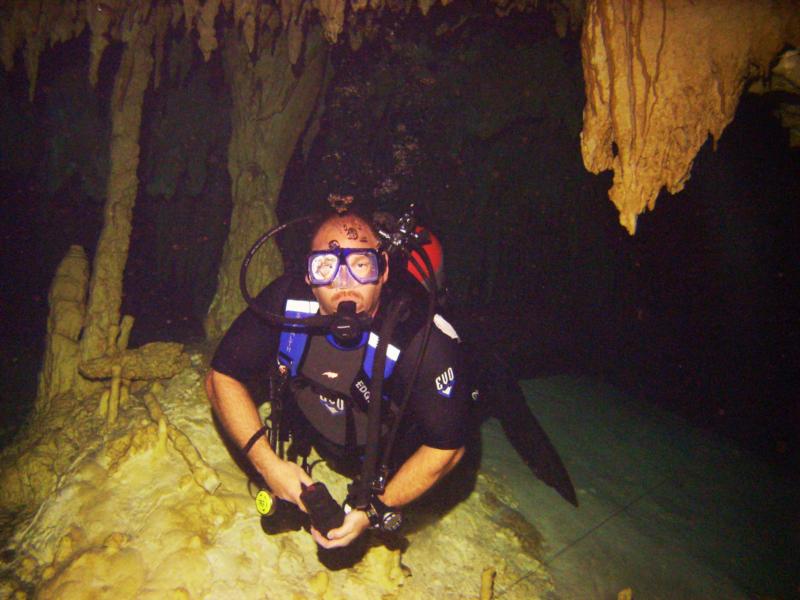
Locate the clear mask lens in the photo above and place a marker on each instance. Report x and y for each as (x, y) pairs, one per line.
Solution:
(361, 264)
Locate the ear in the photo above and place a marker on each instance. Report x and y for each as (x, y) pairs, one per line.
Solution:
(385, 275)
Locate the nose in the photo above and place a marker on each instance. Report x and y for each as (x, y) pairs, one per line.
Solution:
(343, 279)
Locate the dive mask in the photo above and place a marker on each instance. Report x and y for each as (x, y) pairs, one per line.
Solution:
(340, 264)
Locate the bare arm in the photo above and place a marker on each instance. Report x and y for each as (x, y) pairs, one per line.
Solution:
(419, 474)
(237, 412)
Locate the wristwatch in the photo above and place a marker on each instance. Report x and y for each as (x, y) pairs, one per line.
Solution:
(383, 517)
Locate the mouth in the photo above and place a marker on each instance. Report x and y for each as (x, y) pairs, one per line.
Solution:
(338, 297)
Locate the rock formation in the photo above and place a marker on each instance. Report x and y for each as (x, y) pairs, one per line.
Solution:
(661, 77)
(273, 99)
(785, 77)
(154, 506)
(105, 291)
(67, 300)
(271, 106)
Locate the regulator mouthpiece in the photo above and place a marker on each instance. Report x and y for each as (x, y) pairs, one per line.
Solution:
(346, 325)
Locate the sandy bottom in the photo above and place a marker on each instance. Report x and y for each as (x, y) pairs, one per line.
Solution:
(666, 511)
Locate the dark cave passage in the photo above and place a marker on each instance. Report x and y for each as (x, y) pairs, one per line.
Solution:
(698, 311)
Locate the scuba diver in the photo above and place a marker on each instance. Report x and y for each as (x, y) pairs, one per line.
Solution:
(354, 329)
(365, 321)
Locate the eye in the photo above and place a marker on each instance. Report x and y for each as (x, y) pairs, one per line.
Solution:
(360, 264)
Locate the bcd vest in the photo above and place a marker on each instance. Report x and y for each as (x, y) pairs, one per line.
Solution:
(329, 382)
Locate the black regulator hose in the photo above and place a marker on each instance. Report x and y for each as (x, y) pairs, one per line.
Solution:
(372, 454)
(373, 480)
(433, 300)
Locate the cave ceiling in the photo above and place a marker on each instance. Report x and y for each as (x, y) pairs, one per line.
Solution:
(660, 77)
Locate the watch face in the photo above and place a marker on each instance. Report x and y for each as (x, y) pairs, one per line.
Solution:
(392, 521)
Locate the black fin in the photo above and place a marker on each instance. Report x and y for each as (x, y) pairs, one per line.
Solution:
(501, 397)
(530, 440)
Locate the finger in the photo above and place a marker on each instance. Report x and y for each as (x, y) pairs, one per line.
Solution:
(318, 537)
(326, 543)
(339, 532)
(331, 544)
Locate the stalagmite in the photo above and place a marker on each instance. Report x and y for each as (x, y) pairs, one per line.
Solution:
(487, 583)
(661, 77)
(102, 408)
(113, 399)
(124, 333)
(67, 300)
(125, 392)
(111, 344)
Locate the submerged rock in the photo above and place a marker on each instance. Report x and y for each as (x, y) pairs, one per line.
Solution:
(156, 360)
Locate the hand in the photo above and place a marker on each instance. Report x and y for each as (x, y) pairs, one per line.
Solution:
(355, 522)
(284, 478)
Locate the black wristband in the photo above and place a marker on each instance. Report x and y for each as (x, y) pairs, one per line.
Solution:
(380, 507)
(251, 442)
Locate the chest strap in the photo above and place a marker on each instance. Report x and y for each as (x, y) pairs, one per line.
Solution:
(293, 339)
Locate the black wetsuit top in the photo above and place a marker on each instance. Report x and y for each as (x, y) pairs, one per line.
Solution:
(436, 414)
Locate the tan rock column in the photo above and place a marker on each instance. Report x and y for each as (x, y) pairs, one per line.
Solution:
(271, 106)
(105, 294)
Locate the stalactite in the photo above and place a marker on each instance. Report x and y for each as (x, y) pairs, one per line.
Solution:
(32, 24)
(190, 9)
(332, 13)
(661, 77)
(33, 49)
(205, 28)
(99, 16)
(161, 22)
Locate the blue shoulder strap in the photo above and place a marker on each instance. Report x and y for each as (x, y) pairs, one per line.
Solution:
(293, 343)
(392, 354)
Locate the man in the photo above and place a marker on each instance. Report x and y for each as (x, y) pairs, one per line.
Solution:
(344, 265)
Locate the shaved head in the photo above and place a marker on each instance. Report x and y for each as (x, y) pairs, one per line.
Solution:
(349, 227)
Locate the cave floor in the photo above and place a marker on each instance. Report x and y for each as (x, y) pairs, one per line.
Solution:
(666, 510)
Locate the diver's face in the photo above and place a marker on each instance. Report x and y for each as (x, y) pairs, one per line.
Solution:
(346, 232)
